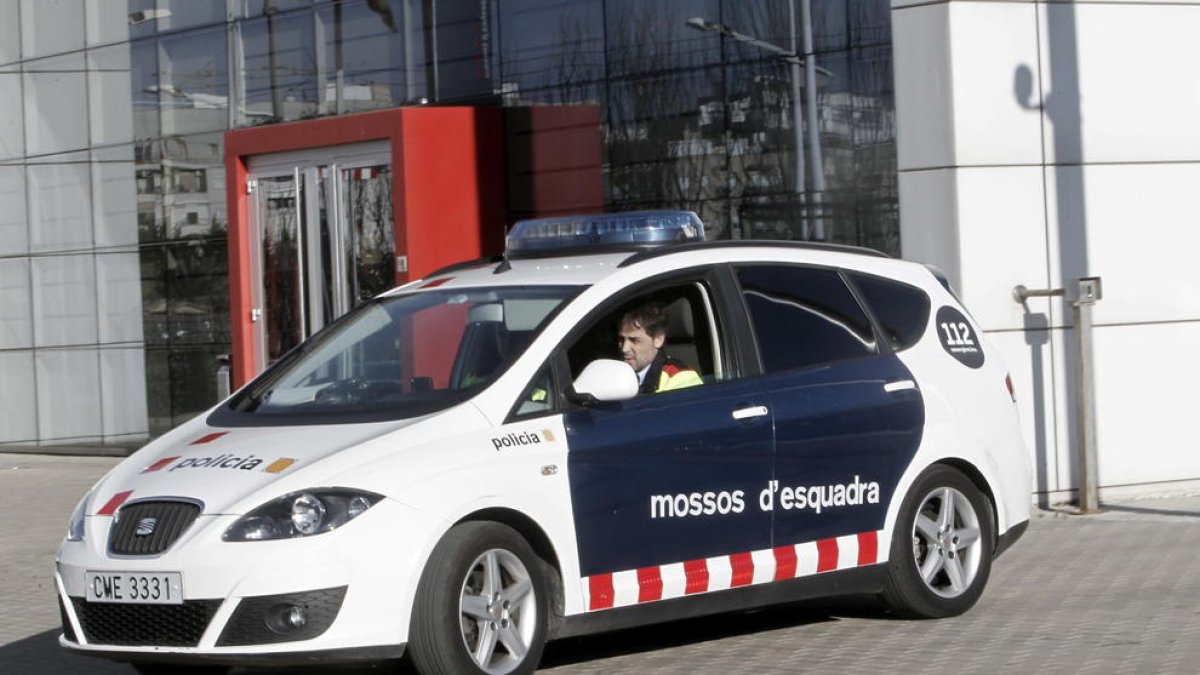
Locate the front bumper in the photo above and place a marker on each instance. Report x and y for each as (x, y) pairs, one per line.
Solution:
(355, 586)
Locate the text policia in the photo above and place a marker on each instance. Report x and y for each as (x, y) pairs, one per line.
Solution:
(814, 497)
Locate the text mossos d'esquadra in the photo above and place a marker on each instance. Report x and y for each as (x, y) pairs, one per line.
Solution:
(812, 497)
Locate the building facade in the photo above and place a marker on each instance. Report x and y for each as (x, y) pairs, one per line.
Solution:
(1007, 146)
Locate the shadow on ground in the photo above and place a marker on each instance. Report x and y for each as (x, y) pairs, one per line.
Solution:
(40, 654)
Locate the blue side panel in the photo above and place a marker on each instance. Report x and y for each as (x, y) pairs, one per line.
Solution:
(628, 460)
(843, 441)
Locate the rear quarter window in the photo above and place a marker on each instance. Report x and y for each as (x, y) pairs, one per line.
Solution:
(902, 311)
(803, 316)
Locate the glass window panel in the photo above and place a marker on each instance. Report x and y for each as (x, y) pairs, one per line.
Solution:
(64, 296)
(253, 8)
(803, 317)
(368, 207)
(14, 227)
(16, 321)
(870, 22)
(193, 185)
(144, 89)
(10, 31)
(364, 50)
(152, 259)
(177, 14)
(652, 36)
(105, 24)
(278, 75)
(56, 118)
(193, 377)
(60, 213)
(464, 69)
(111, 105)
(194, 82)
(158, 391)
(51, 26)
(197, 290)
(142, 17)
(548, 45)
(768, 20)
(831, 24)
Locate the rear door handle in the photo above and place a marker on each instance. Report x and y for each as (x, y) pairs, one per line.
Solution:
(750, 411)
(899, 385)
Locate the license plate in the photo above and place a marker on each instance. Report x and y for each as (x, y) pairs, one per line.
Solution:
(139, 588)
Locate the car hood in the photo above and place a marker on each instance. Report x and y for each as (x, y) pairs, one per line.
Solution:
(219, 467)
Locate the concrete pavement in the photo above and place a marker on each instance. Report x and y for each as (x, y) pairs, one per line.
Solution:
(1117, 592)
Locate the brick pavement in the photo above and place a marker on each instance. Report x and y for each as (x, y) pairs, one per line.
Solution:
(1117, 592)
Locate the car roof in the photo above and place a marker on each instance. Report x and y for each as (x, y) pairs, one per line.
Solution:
(582, 270)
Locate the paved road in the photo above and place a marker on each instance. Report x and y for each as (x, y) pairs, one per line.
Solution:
(1113, 593)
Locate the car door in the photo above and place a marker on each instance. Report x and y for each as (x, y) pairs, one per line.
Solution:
(664, 486)
(848, 415)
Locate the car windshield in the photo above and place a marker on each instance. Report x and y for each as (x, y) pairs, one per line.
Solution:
(402, 356)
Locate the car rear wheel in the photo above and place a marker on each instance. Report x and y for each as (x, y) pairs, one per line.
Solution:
(941, 552)
(482, 604)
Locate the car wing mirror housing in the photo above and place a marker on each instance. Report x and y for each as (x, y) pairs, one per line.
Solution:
(603, 380)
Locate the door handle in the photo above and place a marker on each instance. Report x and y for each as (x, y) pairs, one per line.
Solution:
(750, 411)
(899, 385)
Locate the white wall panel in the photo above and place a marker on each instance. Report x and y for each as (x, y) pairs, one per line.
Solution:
(1141, 226)
(56, 117)
(1147, 402)
(68, 400)
(53, 26)
(1127, 89)
(994, 64)
(103, 24)
(60, 211)
(110, 107)
(924, 94)
(114, 203)
(18, 415)
(14, 227)
(12, 114)
(119, 291)
(123, 391)
(64, 300)
(16, 304)
(1002, 241)
(928, 220)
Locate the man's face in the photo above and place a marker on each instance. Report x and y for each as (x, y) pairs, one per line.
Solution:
(638, 349)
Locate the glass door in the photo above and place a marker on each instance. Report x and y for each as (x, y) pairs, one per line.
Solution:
(323, 239)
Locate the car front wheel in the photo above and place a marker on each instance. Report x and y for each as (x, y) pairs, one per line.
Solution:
(482, 604)
(941, 552)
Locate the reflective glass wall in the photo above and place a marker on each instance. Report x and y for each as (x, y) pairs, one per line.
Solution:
(770, 118)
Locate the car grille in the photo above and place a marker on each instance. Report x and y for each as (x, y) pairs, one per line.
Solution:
(168, 520)
(145, 625)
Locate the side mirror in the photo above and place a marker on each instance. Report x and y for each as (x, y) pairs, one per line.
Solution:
(604, 380)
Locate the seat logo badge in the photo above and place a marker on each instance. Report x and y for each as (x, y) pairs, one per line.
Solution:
(145, 527)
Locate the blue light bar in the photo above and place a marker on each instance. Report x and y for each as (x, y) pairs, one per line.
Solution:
(592, 233)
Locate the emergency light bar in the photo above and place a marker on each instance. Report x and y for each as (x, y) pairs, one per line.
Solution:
(591, 233)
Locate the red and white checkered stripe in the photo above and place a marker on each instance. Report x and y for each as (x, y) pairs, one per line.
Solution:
(675, 580)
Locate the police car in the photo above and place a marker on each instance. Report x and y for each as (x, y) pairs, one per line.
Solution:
(464, 468)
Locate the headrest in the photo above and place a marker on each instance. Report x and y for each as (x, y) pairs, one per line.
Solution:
(680, 327)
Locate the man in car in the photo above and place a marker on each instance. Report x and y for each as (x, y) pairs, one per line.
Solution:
(640, 338)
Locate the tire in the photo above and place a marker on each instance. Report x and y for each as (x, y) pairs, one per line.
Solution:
(482, 604)
(941, 552)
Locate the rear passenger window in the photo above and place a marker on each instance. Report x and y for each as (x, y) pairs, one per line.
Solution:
(804, 316)
(902, 311)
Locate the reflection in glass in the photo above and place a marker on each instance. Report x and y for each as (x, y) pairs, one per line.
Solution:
(280, 204)
(278, 75)
(371, 239)
(143, 76)
(371, 58)
(193, 82)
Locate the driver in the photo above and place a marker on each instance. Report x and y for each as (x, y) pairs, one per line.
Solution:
(641, 336)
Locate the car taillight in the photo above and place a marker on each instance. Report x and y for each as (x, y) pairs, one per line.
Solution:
(1012, 392)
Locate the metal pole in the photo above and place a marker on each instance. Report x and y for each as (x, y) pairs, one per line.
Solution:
(814, 127)
(798, 129)
(1089, 476)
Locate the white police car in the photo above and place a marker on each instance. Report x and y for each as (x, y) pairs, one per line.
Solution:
(461, 469)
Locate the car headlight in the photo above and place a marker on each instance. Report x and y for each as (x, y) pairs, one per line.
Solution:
(75, 527)
(301, 514)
